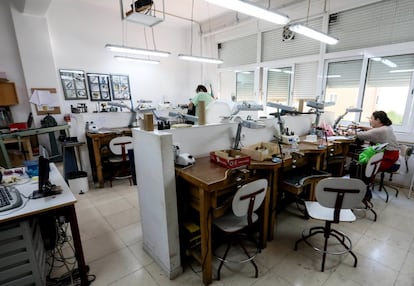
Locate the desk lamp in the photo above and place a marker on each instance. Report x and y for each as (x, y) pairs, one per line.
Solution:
(343, 115)
(249, 123)
(318, 106)
(280, 108)
(134, 111)
(246, 106)
(186, 117)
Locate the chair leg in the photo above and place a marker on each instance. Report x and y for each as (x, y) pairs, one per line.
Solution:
(251, 260)
(325, 245)
(223, 259)
(341, 238)
(313, 231)
(370, 206)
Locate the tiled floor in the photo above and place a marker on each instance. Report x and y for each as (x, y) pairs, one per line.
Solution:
(110, 226)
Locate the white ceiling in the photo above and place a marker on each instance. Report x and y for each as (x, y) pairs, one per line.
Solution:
(207, 13)
(179, 12)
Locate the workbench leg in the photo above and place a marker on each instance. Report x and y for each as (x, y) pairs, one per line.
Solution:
(205, 231)
(6, 157)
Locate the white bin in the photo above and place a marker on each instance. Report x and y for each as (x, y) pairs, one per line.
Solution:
(78, 182)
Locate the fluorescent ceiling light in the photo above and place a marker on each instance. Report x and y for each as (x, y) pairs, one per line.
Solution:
(147, 61)
(251, 10)
(311, 33)
(200, 59)
(399, 71)
(123, 49)
(333, 76)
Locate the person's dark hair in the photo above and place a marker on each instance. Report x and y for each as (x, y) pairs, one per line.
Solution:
(201, 88)
(382, 117)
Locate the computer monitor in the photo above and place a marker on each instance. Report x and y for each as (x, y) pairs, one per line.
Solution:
(45, 187)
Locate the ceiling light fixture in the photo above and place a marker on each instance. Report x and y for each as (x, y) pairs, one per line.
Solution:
(192, 58)
(147, 61)
(252, 10)
(311, 33)
(129, 50)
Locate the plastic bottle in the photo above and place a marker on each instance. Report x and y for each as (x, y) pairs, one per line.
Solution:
(295, 146)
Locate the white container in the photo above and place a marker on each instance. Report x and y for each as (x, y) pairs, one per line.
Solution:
(79, 185)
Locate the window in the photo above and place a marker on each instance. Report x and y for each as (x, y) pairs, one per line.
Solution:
(387, 87)
(278, 85)
(342, 87)
(245, 86)
(304, 86)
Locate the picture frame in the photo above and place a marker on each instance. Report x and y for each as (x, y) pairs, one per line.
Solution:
(120, 87)
(73, 84)
(99, 86)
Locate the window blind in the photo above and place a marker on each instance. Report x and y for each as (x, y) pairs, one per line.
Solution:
(305, 79)
(238, 52)
(383, 23)
(274, 47)
(344, 74)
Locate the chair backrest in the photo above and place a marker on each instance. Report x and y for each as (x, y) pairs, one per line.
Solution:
(373, 165)
(340, 193)
(249, 198)
(121, 145)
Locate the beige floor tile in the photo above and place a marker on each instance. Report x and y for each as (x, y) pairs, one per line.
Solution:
(115, 266)
(130, 234)
(123, 218)
(139, 252)
(90, 229)
(112, 240)
(390, 235)
(140, 277)
(367, 273)
(381, 252)
(302, 270)
(116, 205)
(102, 245)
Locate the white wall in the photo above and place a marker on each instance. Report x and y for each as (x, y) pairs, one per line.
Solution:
(10, 62)
(72, 35)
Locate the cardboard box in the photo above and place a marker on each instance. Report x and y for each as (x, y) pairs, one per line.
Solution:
(261, 151)
(18, 126)
(230, 158)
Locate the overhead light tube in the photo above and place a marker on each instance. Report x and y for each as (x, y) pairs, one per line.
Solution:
(252, 10)
(311, 33)
(200, 59)
(129, 50)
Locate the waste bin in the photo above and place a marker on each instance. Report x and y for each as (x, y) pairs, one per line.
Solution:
(78, 182)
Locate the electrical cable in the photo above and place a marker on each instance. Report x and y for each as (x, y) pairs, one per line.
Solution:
(58, 260)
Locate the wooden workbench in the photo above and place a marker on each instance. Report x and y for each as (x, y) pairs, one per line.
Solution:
(98, 145)
(23, 136)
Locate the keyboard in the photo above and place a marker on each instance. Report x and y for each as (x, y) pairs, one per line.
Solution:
(10, 198)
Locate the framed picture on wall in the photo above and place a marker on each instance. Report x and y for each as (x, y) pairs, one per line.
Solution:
(120, 87)
(73, 84)
(99, 86)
